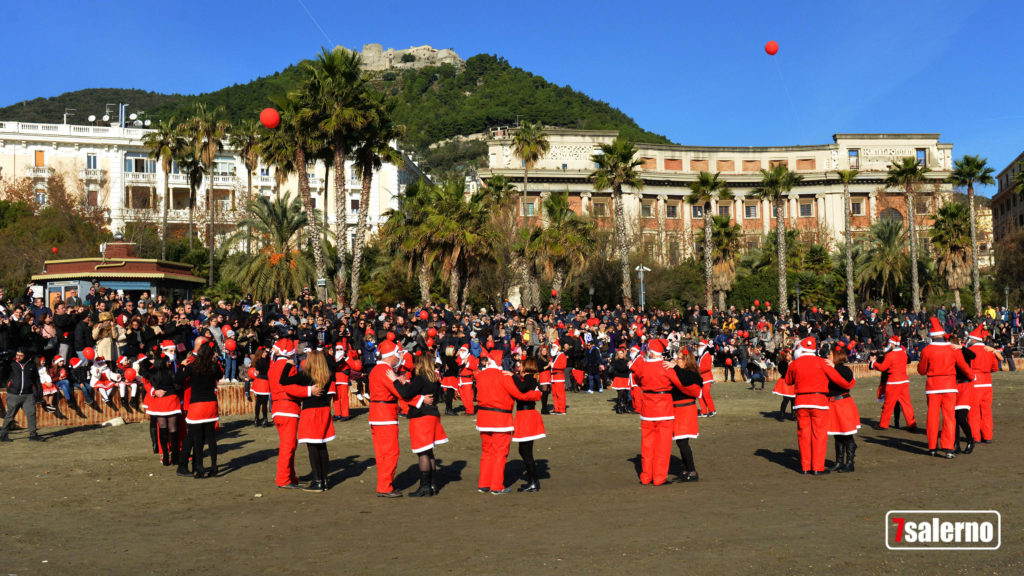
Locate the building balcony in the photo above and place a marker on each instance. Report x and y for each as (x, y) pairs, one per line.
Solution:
(224, 180)
(223, 215)
(263, 181)
(140, 178)
(41, 172)
(316, 183)
(90, 174)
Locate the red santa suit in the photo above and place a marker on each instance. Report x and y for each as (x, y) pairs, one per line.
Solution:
(286, 412)
(558, 364)
(810, 376)
(705, 364)
(384, 416)
(896, 383)
(496, 395)
(635, 394)
(939, 362)
(467, 369)
(345, 365)
(984, 364)
(657, 415)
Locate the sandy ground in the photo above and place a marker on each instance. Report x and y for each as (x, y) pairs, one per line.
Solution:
(97, 501)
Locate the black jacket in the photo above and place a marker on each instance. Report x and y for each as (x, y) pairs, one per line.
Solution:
(24, 378)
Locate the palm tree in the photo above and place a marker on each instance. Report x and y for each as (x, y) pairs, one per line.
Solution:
(906, 174)
(277, 149)
(846, 177)
(617, 167)
(504, 202)
(279, 267)
(567, 241)
(725, 238)
(209, 130)
(194, 171)
(967, 172)
(881, 262)
(703, 191)
(244, 139)
(404, 231)
(374, 149)
(336, 80)
(950, 235)
(530, 144)
(455, 226)
(164, 143)
(775, 186)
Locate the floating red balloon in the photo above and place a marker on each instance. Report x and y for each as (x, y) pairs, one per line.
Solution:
(54, 249)
(129, 375)
(431, 332)
(771, 47)
(554, 293)
(270, 118)
(757, 302)
(424, 315)
(430, 342)
(230, 345)
(89, 353)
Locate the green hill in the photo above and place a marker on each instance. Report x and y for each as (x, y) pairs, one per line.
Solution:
(435, 103)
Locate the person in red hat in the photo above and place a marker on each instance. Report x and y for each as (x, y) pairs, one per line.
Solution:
(810, 375)
(843, 416)
(528, 424)
(986, 361)
(559, 362)
(468, 366)
(894, 384)
(783, 388)
(656, 414)
(636, 360)
(425, 430)
(939, 362)
(286, 412)
(496, 393)
(346, 363)
(316, 428)
(261, 386)
(705, 363)
(964, 399)
(383, 417)
(684, 409)
(620, 380)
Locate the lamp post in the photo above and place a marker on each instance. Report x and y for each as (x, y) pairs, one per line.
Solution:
(797, 289)
(640, 272)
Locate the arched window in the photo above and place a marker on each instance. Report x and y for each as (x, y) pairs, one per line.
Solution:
(891, 214)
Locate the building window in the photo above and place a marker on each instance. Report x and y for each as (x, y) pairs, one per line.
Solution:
(600, 209)
(224, 167)
(806, 210)
(90, 162)
(649, 249)
(671, 211)
(856, 208)
(697, 211)
(673, 164)
(854, 156)
(750, 211)
(353, 206)
(528, 210)
(40, 158)
(673, 254)
(650, 163)
(774, 163)
(922, 156)
(41, 197)
(723, 210)
(138, 162)
(647, 210)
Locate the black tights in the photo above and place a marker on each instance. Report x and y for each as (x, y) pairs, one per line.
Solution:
(262, 403)
(964, 426)
(203, 434)
(686, 454)
(545, 391)
(168, 435)
(526, 453)
(449, 397)
(782, 407)
(319, 461)
(622, 400)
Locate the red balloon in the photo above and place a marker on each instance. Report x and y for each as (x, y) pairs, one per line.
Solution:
(757, 302)
(270, 118)
(424, 315)
(252, 373)
(771, 47)
(129, 375)
(431, 332)
(89, 353)
(430, 342)
(554, 293)
(230, 345)
(54, 249)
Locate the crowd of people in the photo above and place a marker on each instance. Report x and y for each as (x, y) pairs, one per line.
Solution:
(303, 361)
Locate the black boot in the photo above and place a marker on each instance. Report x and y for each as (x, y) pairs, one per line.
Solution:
(532, 485)
(851, 450)
(424, 489)
(840, 452)
(153, 435)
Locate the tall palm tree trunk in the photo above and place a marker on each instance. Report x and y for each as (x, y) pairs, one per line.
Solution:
(956, 298)
(780, 245)
(213, 239)
(851, 303)
(341, 215)
(357, 250)
(557, 279)
(191, 213)
(915, 285)
(455, 283)
(163, 223)
(975, 276)
(622, 245)
(314, 234)
(708, 260)
(721, 299)
(424, 281)
(248, 209)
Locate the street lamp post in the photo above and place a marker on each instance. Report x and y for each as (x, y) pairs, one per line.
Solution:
(640, 272)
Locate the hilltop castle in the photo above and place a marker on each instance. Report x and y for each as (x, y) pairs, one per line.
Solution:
(375, 57)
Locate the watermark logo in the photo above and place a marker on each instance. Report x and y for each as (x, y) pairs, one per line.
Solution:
(943, 530)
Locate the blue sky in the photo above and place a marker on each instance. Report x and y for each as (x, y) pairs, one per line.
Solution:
(694, 71)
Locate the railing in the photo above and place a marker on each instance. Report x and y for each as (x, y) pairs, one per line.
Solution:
(262, 180)
(224, 180)
(316, 182)
(177, 180)
(180, 215)
(90, 174)
(39, 172)
(140, 177)
(71, 129)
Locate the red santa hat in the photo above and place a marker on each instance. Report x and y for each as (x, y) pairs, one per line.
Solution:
(100, 360)
(656, 347)
(807, 346)
(978, 334)
(76, 362)
(140, 357)
(388, 348)
(496, 356)
(936, 330)
(894, 340)
(167, 345)
(284, 347)
(57, 359)
(339, 345)
(122, 361)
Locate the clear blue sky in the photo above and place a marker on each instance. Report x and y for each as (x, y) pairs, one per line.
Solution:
(694, 71)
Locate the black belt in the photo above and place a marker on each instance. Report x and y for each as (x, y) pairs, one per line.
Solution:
(684, 404)
(384, 401)
(489, 409)
(811, 393)
(839, 397)
(657, 391)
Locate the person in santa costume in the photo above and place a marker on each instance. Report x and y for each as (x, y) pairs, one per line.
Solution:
(496, 395)
(684, 409)
(895, 384)
(468, 365)
(705, 362)
(636, 360)
(316, 428)
(449, 377)
(163, 404)
(346, 364)
(620, 380)
(529, 425)
(559, 361)
(260, 387)
(986, 361)
(939, 362)
(202, 371)
(286, 412)
(783, 388)
(383, 417)
(810, 376)
(425, 431)
(657, 414)
(843, 416)
(964, 399)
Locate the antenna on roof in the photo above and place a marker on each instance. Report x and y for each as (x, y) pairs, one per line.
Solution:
(68, 112)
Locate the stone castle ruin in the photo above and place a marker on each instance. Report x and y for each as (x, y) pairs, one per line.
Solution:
(375, 57)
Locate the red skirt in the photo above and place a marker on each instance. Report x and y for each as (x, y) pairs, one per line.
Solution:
(528, 426)
(577, 376)
(261, 386)
(425, 432)
(685, 424)
(163, 406)
(202, 412)
(104, 385)
(316, 425)
(451, 382)
(843, 417)
(965, 395)
(784, 389)
(620, 383)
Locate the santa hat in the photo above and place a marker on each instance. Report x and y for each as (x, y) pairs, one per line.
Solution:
(978, 334)
(894, 341)
(936, 330)
(495, 356)
(122, 361)
(100, 360)
(57, 359)
(140, 357)
(167, 344)
(284, 347)
(656, 347)
(388, 348)
(806, 346)
(75, 362)
(339, 345)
